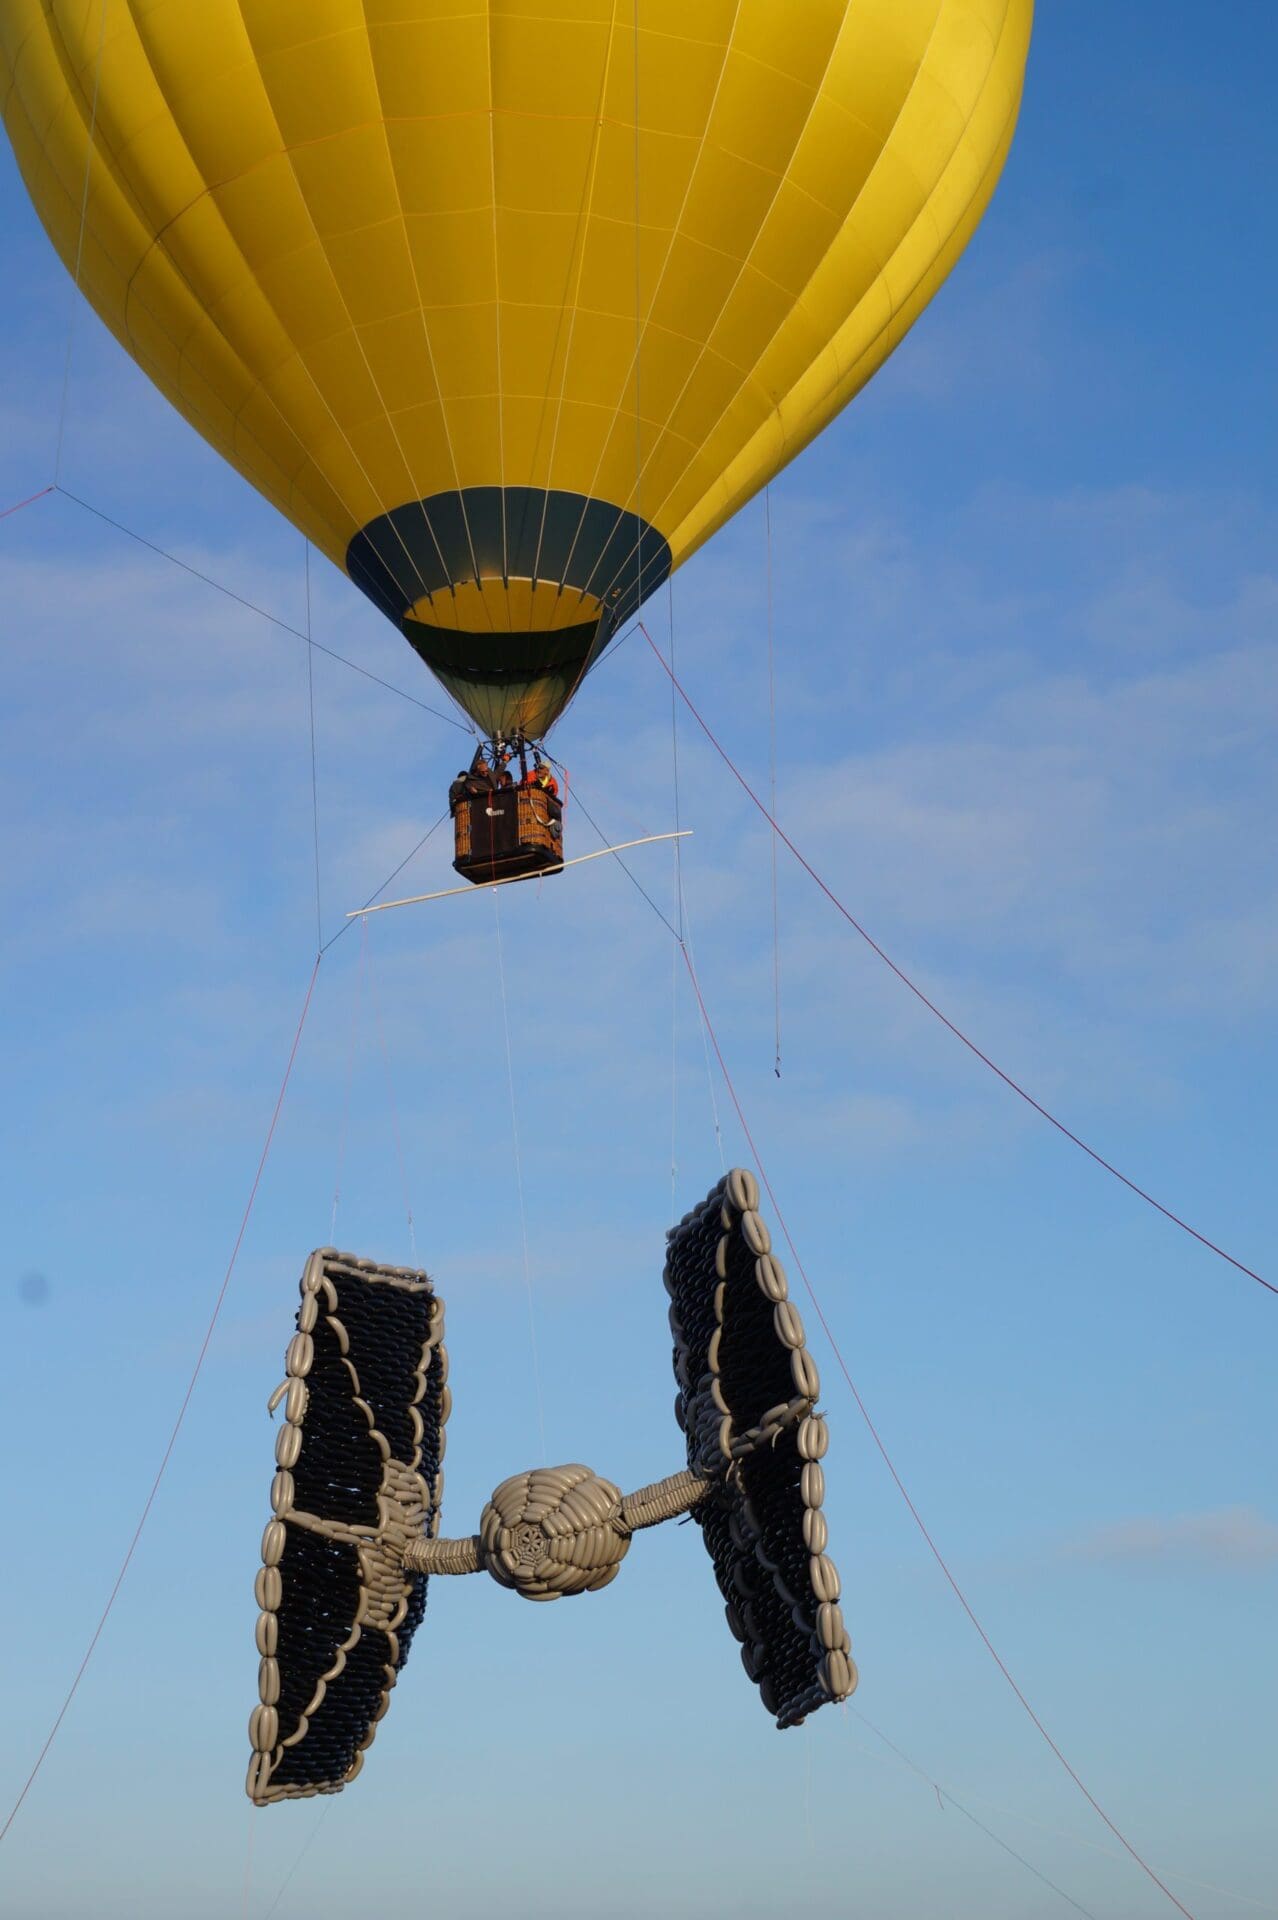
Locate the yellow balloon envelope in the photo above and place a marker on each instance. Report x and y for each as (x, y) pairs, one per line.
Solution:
(509, 304)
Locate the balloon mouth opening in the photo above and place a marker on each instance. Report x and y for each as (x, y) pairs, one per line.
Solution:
(513, 606)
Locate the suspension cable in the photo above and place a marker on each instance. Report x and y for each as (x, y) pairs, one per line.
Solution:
(931, 1005)
(178, 1423)
(519, 1177)
(890, 1464)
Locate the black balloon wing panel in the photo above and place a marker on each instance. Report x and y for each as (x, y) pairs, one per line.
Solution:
(747, 1405)
(359, 1473)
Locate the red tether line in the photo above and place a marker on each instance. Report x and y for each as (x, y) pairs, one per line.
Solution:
(177, 1424)
(931, 1005)
(888, 1462)
(30, 500)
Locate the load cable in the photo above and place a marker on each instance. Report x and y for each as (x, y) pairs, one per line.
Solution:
(772, 779)
(89, 152)
(931, 1005)
(946, 1798)
(390, 1095)
(519, 1178)
(886, 1457)
(178, 1423)
(251, 606)
(890, 1464)
(310, 699)
(30, 501)
(349, 921)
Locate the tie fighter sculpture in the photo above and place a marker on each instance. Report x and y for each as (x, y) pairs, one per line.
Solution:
(356, 1498)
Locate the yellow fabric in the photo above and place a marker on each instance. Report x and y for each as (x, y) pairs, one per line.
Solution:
(638, 250)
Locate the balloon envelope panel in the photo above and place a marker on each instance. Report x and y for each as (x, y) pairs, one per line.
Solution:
(508, 306)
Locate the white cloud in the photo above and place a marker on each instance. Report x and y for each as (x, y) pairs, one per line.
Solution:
(1237, 1537)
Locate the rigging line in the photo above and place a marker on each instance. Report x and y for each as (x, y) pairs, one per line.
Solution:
(944, 1795)
(251, 606)
(674, 760)
(501, 424)
(302, 1853)
(678, 892)
(932, 1007)
(634, 16)
(430, 352)
(214, 1317)
(686, 945)
(694, 169)
(679, 940)
(577, 262)
(310, 697)
(394, 874)
(248, 1866)
(346, 1100)
(390, 1090)
(519, 1177)
(1108, 1853)
(604, 841)
(772, 778)
(888, 1462)
(79, 245)
(30, 500)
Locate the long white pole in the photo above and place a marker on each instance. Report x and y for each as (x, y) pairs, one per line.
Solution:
(448, 893)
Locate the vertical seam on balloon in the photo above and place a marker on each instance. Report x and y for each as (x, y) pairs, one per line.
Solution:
(430, 352)
(287, 155)
(492, 168)
(578, 255)
(995, 160)
(799, 138)
(60, 52)
(923, 212)
(254, 385)
(86, 184)
(660, 281)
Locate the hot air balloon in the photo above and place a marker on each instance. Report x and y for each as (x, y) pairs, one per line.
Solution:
(508, 308)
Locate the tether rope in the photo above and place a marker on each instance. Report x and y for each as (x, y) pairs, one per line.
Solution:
(772, 778)
(946, 1798)
(390, 1093)
(886, 1457)
(889, 1463)
(79, 245)
(394, 874)
(30, 501)
(178, 1423)
(344, 1129)
(519, 1178)
(310, 699)
(680, 939)
(250, 606)
(248, 1865)
(931, 1005)
(302, 1852)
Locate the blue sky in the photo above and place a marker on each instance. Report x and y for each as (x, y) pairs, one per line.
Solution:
(1026, 697)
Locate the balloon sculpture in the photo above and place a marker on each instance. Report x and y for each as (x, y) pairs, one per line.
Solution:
(509, 306)
(356, 1501)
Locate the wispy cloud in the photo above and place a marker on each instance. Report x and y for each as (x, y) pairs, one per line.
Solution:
(1237, 1537)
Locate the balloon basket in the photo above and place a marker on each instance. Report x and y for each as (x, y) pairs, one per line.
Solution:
(507, 834)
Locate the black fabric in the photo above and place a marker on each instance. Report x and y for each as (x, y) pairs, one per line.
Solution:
(752, 1524)
(526, 533)
(336, 1478)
